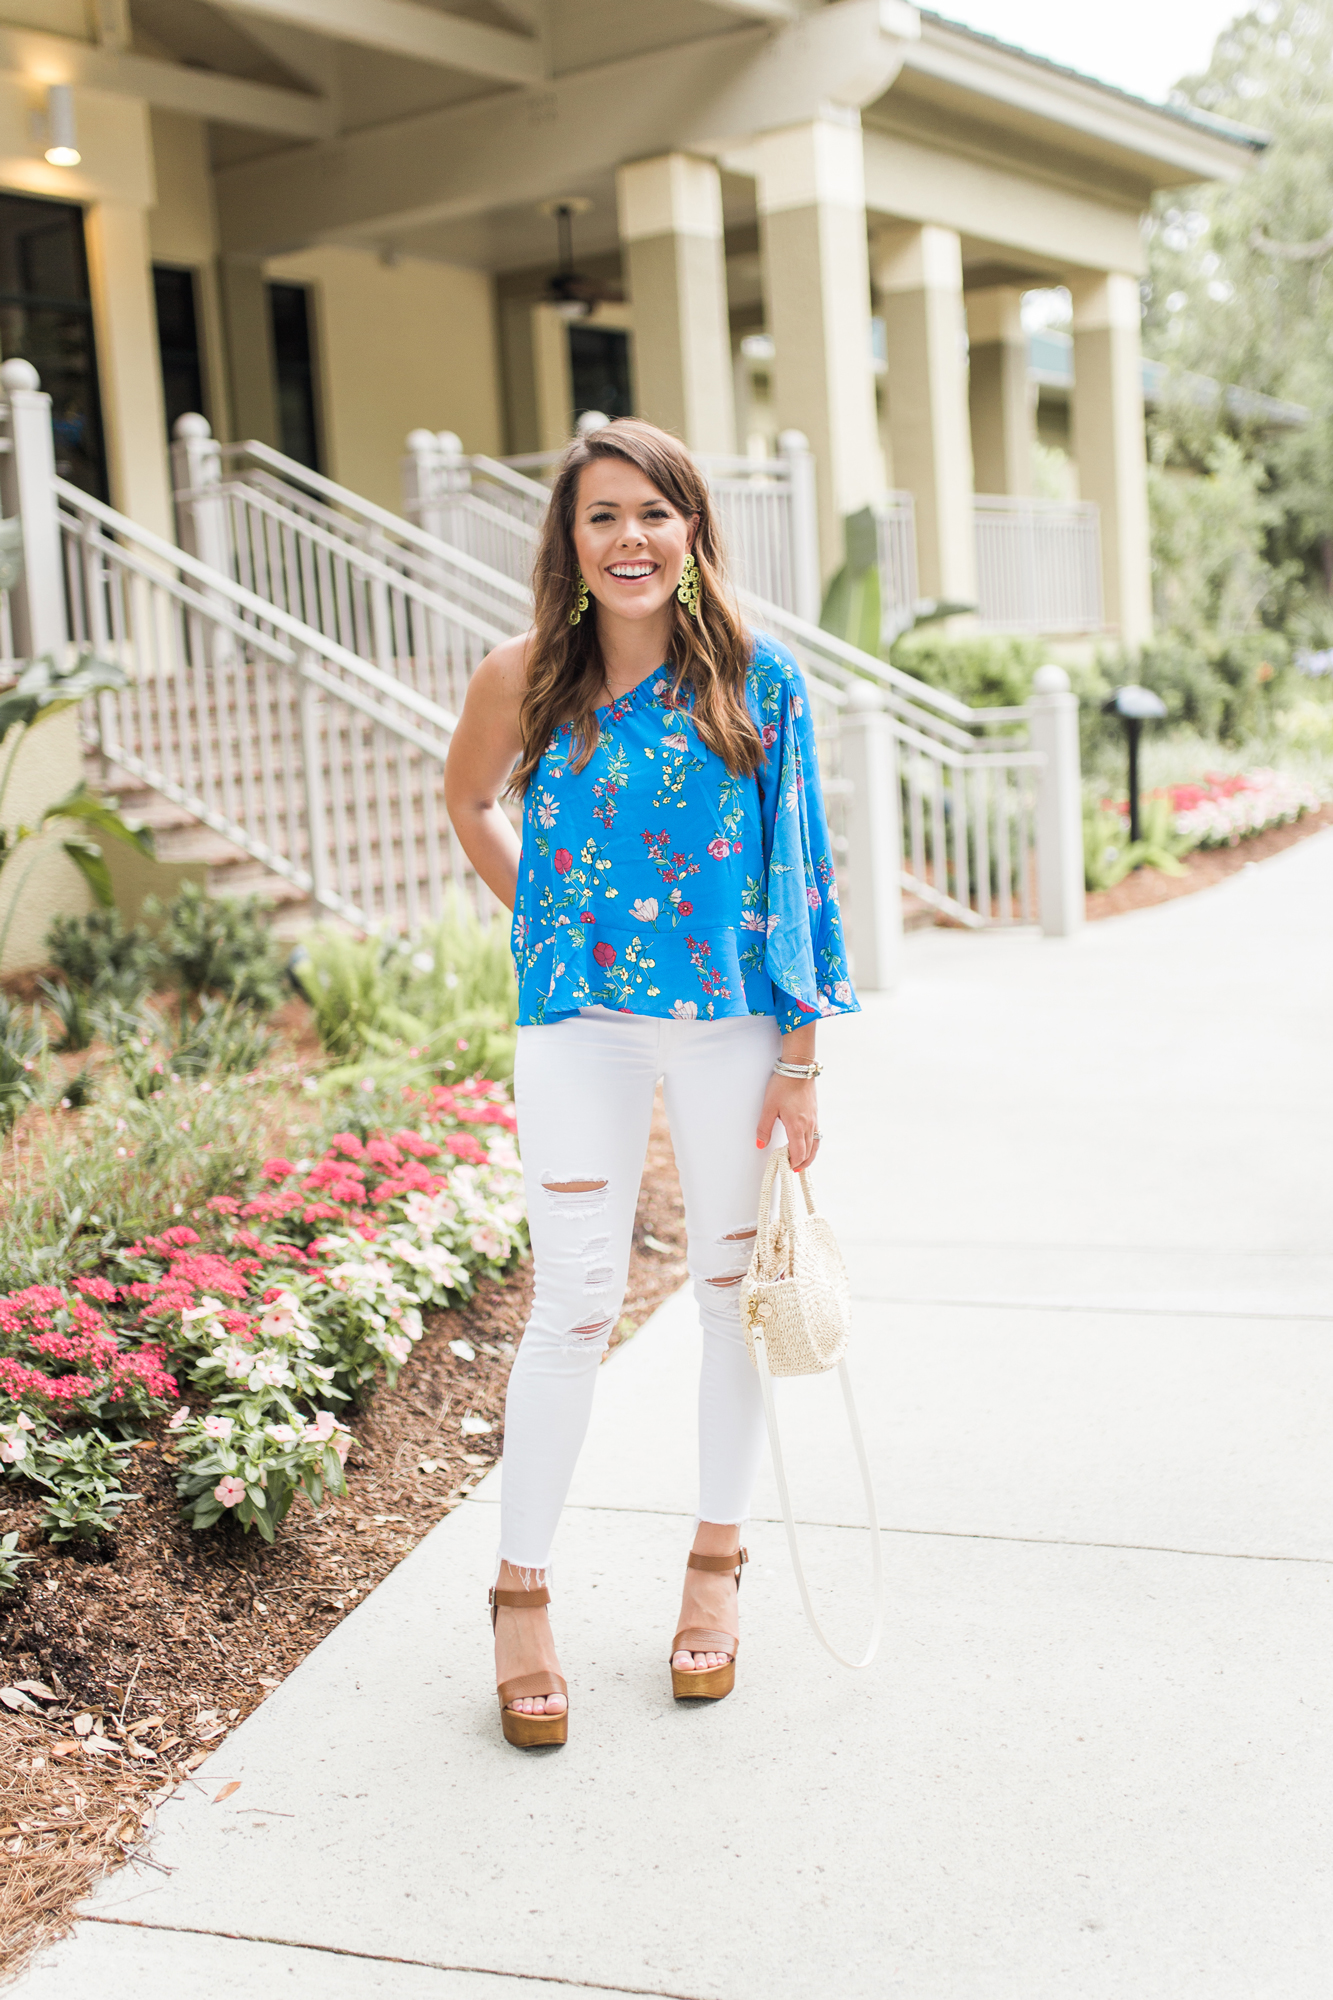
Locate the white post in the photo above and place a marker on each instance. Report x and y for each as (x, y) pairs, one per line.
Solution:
(1054, 730)
(434, 469)
(874, 839)
(201, 511)
(807, 594)
(26, 474)
(312, 752)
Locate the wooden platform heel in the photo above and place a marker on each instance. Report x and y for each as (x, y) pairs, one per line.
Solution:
(708, 1683)
(524, 1731)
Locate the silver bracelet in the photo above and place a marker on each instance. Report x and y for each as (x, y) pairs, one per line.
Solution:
(803, 1072)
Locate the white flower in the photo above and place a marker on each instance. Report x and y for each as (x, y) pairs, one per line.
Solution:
(842, 992)
(218, 1427)
(685, 1010)
(548, 809)
(281, 1433)
(645, 910)
(235, 1363)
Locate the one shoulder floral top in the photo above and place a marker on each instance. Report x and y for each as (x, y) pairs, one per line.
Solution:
(654, 882)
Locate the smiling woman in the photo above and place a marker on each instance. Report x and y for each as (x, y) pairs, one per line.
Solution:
(675, 919)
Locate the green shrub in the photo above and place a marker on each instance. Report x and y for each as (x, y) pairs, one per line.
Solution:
(123, 1169)
(22, 1046)
(439, 1006)
(97, 953)
(11, 1560)
(73, 1009)
(222, 945)
(81, 1473)
(1109, 855)
(984, 669)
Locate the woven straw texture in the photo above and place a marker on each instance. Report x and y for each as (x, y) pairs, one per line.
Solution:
(796, 1287)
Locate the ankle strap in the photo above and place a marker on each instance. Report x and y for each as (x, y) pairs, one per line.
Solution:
(516, 1599)
(718, 1564)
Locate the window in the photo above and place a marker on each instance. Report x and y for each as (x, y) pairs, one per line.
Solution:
(46, 317)
(178, 342)
(294, 360)
(599, 367)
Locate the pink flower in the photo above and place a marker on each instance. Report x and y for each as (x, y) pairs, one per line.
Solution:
(719, 849)
(604, 953)
(230, 1492)
(768, 736)
(564, 861)
(324, 1426)
(398, 1347)
(486, 1243)
(686, 909)
(182, 1416)
(277, 1170)
(13, 1448)
(218, 1427)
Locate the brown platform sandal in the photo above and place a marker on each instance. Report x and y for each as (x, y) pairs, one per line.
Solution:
(707, 1683)
(529, 1732)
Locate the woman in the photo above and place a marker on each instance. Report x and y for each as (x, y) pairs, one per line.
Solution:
(675, 917)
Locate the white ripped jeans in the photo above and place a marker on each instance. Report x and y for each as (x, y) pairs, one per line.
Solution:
(584, 1092)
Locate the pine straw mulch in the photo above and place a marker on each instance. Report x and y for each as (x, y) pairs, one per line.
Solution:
(128, 1662)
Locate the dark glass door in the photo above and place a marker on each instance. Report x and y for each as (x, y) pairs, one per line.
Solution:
(294, 360)
(46, 317)
(178, 342)
(599, 367)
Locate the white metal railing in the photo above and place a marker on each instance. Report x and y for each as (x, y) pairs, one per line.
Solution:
(1039, 564)
(895, 544)
(321, 765)
(422, 607)
(494, 508)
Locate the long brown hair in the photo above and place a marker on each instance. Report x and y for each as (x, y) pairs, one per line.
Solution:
(710, 654)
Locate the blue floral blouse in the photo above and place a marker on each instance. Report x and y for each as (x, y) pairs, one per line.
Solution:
(655, 882)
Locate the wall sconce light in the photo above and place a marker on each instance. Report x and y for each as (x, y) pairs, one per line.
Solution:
(62, 135)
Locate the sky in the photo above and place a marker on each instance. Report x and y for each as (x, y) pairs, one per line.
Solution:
(1141, 45)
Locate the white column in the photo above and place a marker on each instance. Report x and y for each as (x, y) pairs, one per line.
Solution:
(919, 279)
(811, 196)
(49, 760)
(129, 368)
(1054, 730)
(670, 211)
(1108, 442)
(999, 397)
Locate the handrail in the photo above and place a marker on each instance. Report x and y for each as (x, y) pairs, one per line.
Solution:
(371, 564)
(220, 585)
(354, 503)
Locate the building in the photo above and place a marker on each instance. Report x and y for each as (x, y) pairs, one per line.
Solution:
(328, 222)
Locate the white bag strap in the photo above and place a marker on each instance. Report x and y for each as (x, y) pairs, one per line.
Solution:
(872, 1513)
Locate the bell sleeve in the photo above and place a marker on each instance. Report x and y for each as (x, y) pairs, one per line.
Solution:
(805, 958)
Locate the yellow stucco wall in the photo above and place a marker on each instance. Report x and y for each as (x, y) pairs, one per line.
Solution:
(399, 347)
(48, 765)
(183, 230)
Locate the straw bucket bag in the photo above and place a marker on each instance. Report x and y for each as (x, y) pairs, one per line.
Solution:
(796, 1309)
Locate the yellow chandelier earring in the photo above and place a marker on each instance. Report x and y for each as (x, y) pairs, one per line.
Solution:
(580, 600)
(690, 588)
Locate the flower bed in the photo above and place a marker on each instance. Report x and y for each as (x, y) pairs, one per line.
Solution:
(267, 1314)
(1222, 810)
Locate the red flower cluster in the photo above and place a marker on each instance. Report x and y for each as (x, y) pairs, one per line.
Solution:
(63, 1353)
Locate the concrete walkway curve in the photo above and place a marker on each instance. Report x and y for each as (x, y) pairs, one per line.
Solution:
(1084, 1192)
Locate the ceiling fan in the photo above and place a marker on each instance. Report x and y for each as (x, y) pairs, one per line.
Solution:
(568, 292)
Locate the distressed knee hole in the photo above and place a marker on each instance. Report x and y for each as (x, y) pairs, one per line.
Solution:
(576, 1197)
(740, 1235)
(727, 1283)
(597, 1277)
(591, 1330)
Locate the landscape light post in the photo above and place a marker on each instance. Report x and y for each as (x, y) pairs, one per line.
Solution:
(1135, 706)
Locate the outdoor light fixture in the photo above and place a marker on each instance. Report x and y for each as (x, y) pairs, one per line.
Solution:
(1135, 706)
(63, 147)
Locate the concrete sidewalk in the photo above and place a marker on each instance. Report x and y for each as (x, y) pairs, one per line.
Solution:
(1084, 1192)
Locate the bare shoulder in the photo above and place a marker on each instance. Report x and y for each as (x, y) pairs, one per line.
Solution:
(502, 675)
